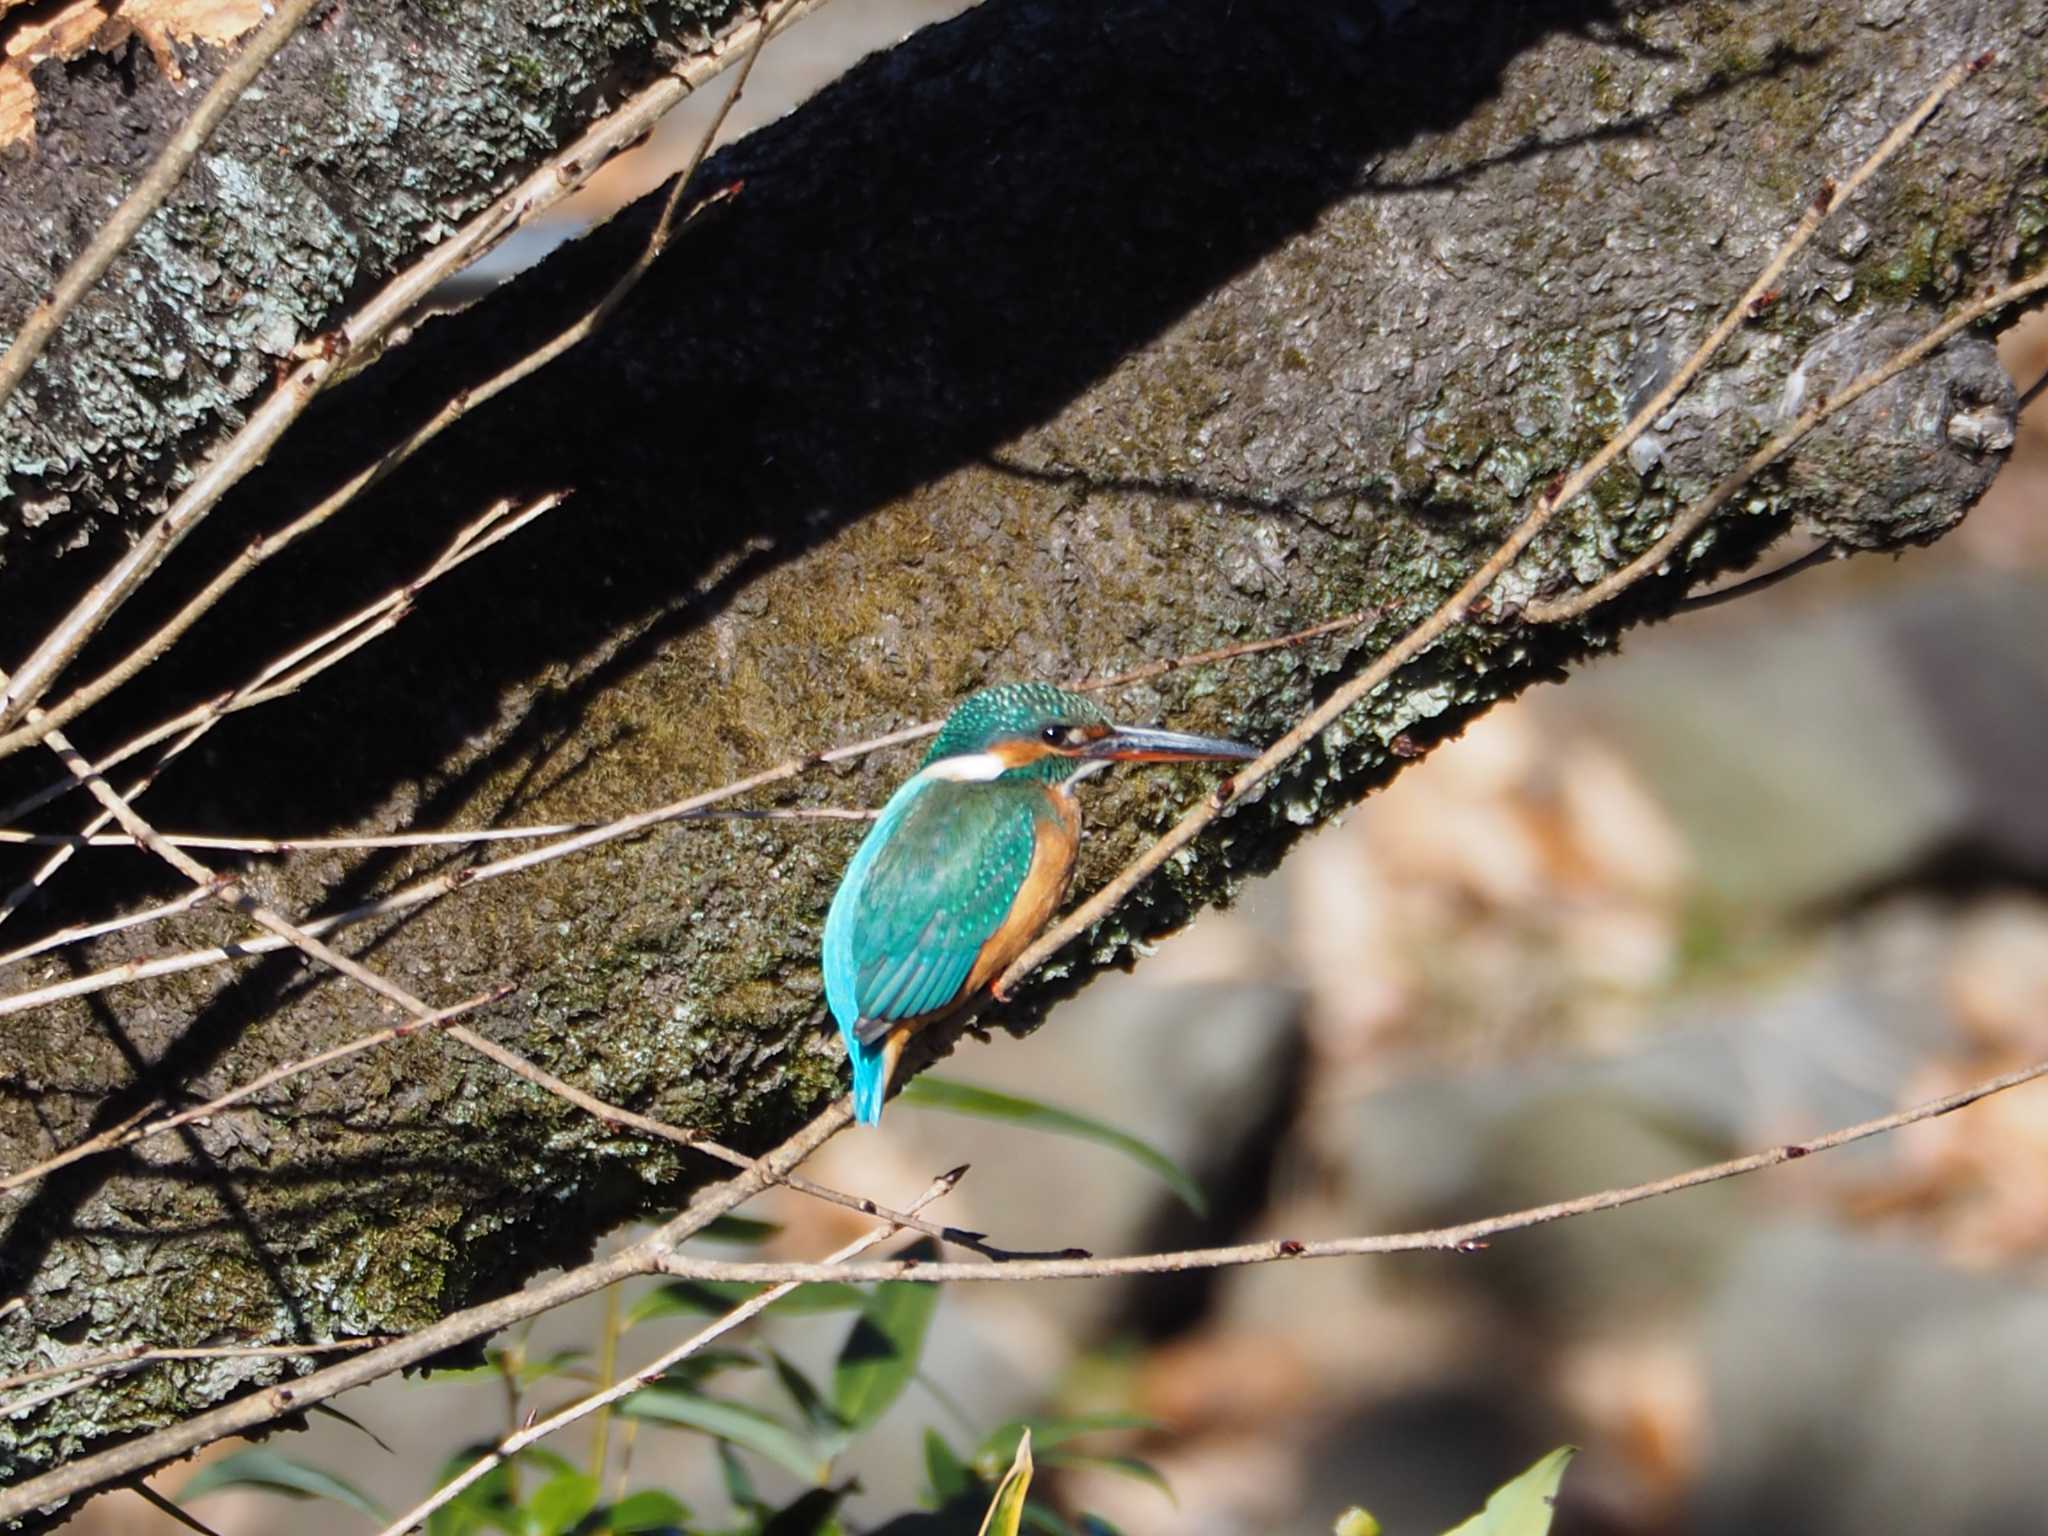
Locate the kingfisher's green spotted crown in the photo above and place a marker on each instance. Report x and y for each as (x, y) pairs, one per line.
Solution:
(1006, 711)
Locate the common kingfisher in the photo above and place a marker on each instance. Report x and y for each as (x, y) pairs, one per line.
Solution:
(968, 862)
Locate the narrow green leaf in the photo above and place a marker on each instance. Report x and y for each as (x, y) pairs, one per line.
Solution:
(259, 1467)
(648, 1510)
(818, 1415)
(949, 1474)
(740, 1229)
(745, 1427)
(328, 1410)
(1046, 1522)
(1136, 1468)
(928, 1092)
(1356, 1522)
(707, 1298)
(1525, 1506)
(739, 1487)
(1006, 1510)
(880, 1354)
(558, 1505)
(184, 1517)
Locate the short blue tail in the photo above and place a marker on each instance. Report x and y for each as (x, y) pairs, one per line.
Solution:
(870, 1082)
(873, 1066)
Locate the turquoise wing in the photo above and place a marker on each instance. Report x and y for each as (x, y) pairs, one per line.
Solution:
(932, 883)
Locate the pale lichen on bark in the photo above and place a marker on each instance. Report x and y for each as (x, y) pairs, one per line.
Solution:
(377, 130)
(1058, 339)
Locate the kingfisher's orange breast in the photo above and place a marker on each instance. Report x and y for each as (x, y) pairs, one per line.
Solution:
(1057, 838)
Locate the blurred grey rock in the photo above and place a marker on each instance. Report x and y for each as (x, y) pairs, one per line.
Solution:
(1861, 1386)
(1814, 756)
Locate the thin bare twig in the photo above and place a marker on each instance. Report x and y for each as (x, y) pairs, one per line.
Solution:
(78, 933)
(456, 838)
(1470, 1236)
(176, 157)
(540, 1429)
(120, 1362)
(561, 174)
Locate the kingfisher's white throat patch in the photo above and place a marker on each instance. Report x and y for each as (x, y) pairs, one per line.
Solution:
(967, 768)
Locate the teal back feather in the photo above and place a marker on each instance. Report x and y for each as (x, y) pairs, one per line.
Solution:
(932, 882)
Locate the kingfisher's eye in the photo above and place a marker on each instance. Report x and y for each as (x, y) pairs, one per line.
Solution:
(1054, 735)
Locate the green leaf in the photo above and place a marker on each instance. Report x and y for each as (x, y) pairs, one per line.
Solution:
(928, 1092)
(880, 1354)
(818, 1414)
(739, 1229)
(328, 1410)
(1045, 1521)
(745, 1427)
(949, 1474)
(715, 1298)
(1132, 1467)
(486, 1504)
(739, 1487)
(1006, 1510)
(1356, 1522)
(259, 1467)
(648, 1510)
(1525, 1506)
(558, 1505)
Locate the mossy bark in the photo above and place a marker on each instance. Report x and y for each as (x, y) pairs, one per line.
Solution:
(1057, 339)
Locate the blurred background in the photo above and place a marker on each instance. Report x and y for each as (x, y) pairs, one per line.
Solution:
(1781, 866)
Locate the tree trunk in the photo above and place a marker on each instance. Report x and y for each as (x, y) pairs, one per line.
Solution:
(1057, 339)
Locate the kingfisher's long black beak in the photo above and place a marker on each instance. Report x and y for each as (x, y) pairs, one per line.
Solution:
(1140, 744)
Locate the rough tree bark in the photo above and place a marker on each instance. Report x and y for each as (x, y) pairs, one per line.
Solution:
(1057, 339)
